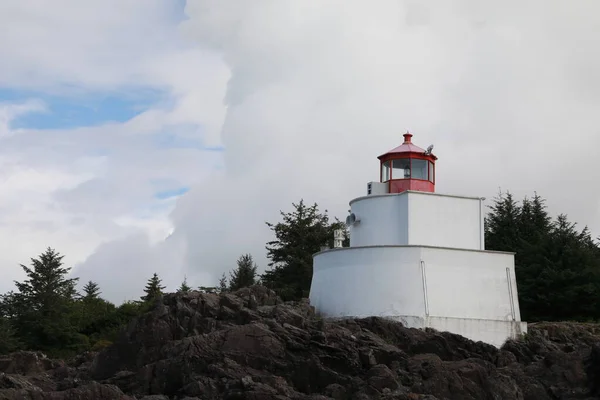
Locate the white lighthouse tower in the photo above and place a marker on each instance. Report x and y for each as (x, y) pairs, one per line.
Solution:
(418, 257)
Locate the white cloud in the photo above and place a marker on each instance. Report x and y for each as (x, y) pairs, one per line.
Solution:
(93, 187)
(97, 44)
(507, 92)
(319, 89)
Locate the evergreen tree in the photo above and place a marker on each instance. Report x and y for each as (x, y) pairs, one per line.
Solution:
(302, 233)
(153, 288)
(91, 290)
(540, 218)
(223, 284)
(245, 274)
(95, 316)
(556, 266)
(42, 307)
(574, 274)
(8, 337)
(502, 223)
(184, 288)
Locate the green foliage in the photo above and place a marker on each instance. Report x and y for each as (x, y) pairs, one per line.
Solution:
(101, 344)
(557, 266)
(222, 284)
(184, 288)
(303, 232)
(91, 291)
(8, 337)
(153, 288)
(42, 308)
(245, 273)
(45, 313)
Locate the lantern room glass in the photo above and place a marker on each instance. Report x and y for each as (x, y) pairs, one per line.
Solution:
(401, 168)
(419, 169)
(431, 172)
(385, 171)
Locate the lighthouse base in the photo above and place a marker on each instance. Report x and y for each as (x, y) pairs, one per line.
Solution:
(472, 293)
(494, 332)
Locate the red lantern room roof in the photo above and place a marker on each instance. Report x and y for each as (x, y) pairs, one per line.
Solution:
(407, 148)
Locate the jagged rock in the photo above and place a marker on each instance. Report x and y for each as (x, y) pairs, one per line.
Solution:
(250, 345)
(90, 391)
(25, 363)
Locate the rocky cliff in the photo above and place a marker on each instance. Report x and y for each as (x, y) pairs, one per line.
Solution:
(250, 345)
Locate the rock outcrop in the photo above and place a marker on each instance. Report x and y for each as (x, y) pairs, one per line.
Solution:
(250, 345)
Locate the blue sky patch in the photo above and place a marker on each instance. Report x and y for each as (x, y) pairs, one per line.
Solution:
(76, 111)
(167, 194)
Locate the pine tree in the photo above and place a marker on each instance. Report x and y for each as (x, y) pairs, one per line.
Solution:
(502, 224)
(184, 288)
(245, 274)
(153, 288)
(8, 337)
(42, 307)
(91, 290)
(46, 280)
(575, 275)
(540, 218)
(302, 233)
(223, 284)
(556, 265)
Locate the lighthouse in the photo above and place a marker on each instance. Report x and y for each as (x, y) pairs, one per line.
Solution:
(418, 257)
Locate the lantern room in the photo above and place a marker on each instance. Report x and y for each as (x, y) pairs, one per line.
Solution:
(408, 167)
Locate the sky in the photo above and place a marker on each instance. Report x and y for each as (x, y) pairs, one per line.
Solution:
(142, 136)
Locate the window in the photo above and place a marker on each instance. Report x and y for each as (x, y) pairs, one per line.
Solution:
(401, 168)
(385, 171)
(431, 172)
(419, 169)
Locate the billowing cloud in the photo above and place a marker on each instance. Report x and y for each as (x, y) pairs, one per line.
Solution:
(319, 89)
(82, 186)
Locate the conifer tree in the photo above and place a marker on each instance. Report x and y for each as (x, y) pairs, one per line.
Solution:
(184, 288)
(91, 290)
(303, 232)
(8, 337)
(223, 284)
(245, 273)
(556, 265)
(43, 304)
(502, 223)
(540, 218)
(153, 288)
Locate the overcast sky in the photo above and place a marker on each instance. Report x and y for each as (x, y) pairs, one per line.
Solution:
(122, 121)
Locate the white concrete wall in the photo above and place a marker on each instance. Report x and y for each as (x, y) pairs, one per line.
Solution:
(445, 221)
(462, 291)
(382, 281)
(383, 221)
(470, 284)
(418, 218)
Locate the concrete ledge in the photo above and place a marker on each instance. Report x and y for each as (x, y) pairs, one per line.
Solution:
(370, 196)
(411, 246)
